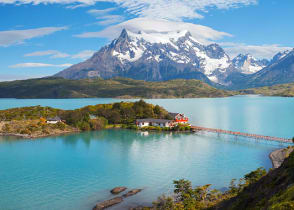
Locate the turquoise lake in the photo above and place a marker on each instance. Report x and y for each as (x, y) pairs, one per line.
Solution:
(77, 171)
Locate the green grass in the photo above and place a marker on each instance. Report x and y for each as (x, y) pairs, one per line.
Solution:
(117, 87)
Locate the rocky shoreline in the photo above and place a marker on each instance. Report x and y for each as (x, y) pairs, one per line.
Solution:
(278, 156)
(28, 136)
(116, 200)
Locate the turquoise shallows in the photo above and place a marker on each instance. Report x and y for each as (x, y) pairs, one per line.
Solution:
(77, 171)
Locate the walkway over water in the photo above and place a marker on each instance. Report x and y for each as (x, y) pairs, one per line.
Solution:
(255, 136)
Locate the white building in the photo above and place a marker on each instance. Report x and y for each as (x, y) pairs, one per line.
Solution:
(154, 122)
(54, 120)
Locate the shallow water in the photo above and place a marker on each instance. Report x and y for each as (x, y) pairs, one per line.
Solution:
(76, 171)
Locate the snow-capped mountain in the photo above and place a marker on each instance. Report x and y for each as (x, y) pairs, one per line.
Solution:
(279, 56)
(153, 57)
(247, 64)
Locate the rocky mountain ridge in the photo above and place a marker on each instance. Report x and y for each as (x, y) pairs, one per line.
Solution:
(165, 56)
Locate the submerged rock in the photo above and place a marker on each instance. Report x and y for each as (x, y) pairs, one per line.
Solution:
(132, 192)
(108, 203)
(118, 190)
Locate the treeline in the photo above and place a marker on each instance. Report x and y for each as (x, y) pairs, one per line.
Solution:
(125, 113)
(203, 197)
(92, 117)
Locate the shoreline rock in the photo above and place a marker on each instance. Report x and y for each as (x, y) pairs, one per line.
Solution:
(118, 190)
(278, 156)
(32, 136)
(131, 193)
(108, 203)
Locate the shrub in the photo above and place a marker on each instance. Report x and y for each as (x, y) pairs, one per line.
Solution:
(60, 125)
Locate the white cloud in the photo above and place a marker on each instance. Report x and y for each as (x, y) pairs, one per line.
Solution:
(258, 51)
(110, 19)
(167, 9)
(57, 54)
(19, 36)
(53, 53)
(203, 34)
(104, 17)
(84, 54)
(98, 12)
(38, 65)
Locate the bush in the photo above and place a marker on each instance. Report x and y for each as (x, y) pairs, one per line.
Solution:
(25, 131)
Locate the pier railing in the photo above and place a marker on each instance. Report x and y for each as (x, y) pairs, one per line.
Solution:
(248, 135)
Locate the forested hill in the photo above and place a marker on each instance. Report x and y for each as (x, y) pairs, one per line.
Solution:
(117, 87)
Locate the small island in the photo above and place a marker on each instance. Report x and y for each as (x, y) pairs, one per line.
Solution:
(37, 121)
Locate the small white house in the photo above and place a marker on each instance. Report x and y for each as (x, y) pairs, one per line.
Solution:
(153, 122)
(54, 120)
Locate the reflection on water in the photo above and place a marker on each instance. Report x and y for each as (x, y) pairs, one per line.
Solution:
(76, 171)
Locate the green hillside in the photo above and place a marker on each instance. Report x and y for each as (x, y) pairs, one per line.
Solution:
(286, 90)
(274, 191)
(117, 87)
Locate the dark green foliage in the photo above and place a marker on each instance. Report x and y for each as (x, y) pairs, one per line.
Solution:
(202, 197)
(274, 191)
(254, 176)
(164, 203)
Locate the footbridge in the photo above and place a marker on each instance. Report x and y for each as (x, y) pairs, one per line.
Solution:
(248, 135)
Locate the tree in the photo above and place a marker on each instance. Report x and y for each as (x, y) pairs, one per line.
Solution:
(254, 176)
(114, 117)
(182, 187)
(164, 203)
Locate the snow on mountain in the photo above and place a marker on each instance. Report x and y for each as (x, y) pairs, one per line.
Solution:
(158, 56)
(178, 46)
(279, 56)
(247, 64)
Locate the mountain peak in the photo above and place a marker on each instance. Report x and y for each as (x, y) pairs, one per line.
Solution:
(124, 33)
(155, 37)
(247, 64)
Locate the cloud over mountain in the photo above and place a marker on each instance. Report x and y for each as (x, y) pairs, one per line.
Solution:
(203, 34)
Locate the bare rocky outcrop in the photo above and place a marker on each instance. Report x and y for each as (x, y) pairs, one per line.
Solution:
(132, 192)
(278, 156)
(116, 200)
(118, 190)
(108, 203)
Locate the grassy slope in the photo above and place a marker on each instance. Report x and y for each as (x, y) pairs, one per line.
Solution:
(118, 87)
(273, 191)
(286, 90)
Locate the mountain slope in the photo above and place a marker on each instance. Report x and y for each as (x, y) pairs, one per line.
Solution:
(247, 64)
(116, 87)
(155, 57)
(279, 72)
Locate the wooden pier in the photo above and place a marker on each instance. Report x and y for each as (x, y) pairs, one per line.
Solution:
(248, 135)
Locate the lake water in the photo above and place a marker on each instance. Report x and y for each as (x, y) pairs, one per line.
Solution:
(77, 171)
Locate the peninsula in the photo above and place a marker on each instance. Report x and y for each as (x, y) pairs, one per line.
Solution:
(37, 121)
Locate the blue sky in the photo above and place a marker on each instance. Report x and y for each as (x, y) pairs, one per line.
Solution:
(41, 37)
